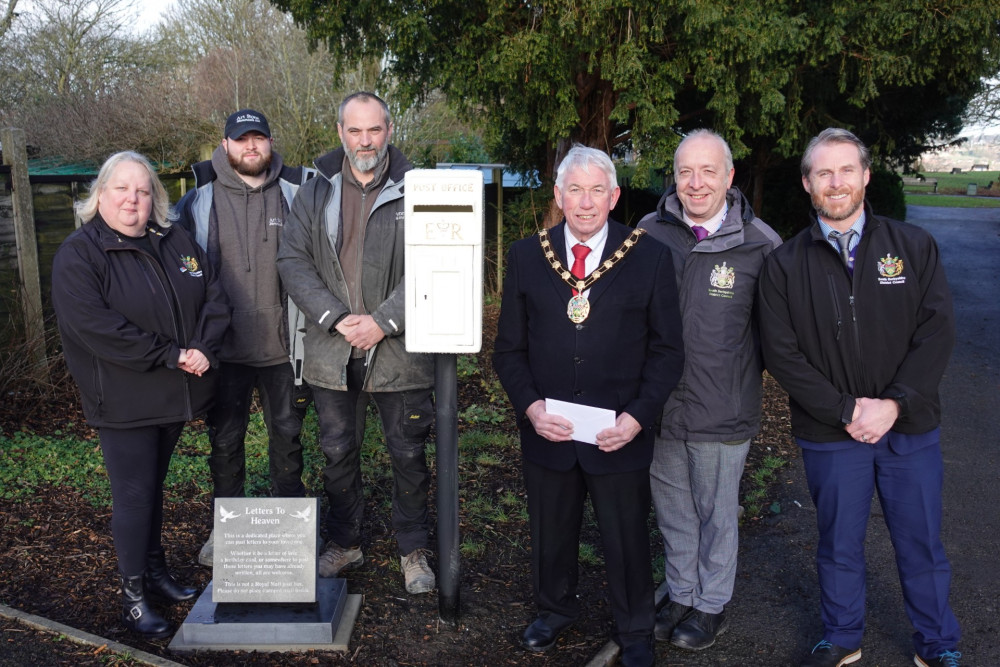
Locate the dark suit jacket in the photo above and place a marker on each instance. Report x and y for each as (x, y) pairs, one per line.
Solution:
(627, 356)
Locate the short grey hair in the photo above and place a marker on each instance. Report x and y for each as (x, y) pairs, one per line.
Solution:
(707, 134)
(161, 213)
(834, 135)
(582, 157)
(364, 96)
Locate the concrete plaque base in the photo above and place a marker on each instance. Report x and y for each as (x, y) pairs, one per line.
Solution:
(324, 625)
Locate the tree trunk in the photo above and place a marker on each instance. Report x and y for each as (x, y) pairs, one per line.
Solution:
(596, 99)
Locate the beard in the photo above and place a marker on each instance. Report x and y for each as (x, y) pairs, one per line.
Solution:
(367, 164)
(249, 169)
(843, 211)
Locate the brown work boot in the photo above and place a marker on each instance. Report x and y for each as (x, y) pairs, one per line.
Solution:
(418, 574)
(336, 558)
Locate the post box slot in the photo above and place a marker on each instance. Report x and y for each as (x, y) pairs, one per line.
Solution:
(443, 208)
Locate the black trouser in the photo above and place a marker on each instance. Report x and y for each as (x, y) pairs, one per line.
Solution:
(621, 503)
(406, 421)
(137, 460)
(227, 429)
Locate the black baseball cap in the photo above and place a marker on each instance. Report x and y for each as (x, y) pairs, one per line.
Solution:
(246, 120)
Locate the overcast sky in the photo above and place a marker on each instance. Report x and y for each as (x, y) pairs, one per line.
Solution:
(150, 12)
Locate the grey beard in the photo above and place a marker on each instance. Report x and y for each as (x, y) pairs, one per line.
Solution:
(367, 164)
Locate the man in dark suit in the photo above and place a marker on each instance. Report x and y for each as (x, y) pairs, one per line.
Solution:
(607, 335)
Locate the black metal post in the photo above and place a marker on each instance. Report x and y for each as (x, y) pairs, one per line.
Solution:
(449, 565)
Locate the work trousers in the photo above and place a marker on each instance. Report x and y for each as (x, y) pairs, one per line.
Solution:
(406, 418)
(137, 460)
(227, 429)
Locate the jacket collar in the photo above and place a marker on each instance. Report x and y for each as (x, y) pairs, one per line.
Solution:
(204, 173)
(109, 238)
(872, 223)
(740, 212)
(729, 234)
(330, 164)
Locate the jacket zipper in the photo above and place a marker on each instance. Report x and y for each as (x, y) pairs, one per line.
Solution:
(835, 298)
(359, 263)
(174, 307)
(859, 364)
(855, 329)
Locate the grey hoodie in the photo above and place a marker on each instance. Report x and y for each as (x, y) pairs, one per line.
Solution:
(249, 220)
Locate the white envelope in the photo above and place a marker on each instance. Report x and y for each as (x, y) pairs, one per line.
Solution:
(587, 421)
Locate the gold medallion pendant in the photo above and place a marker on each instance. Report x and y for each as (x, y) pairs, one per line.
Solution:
(578, 309)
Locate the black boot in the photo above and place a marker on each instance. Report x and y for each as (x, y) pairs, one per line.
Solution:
(159, 584)
(137, 615)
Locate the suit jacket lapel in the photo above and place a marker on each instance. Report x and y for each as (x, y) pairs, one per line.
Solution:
(557, 237)
(616, 236)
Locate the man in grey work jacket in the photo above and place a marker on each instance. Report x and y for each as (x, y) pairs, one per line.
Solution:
(718, 247)
(236, 213)
(342, 260)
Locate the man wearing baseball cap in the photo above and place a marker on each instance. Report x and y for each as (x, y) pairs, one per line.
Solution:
(236, 212)
(246, 120)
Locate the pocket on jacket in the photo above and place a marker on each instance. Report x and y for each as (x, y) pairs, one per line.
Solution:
(255, 335)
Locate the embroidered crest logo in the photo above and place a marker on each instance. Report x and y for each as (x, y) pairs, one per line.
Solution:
(190, 265)
(723, 277)
(890, 270)
(890, 267)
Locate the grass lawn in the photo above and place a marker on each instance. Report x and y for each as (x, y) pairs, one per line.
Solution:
(952, 201)
(948, 180)
(952, 190)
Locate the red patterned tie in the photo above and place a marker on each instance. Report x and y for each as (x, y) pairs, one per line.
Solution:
(580, 253)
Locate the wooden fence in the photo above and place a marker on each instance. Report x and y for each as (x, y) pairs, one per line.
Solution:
(36, 215)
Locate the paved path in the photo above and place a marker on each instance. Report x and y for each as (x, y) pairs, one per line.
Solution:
(775, 610)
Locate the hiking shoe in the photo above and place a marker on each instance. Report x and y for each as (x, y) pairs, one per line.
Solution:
(418, 574)
(336, 558)
(944, 659)
(207, 554)
(668, 618)
(825, 654)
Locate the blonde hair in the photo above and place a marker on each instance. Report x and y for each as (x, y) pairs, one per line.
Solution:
(161, 213)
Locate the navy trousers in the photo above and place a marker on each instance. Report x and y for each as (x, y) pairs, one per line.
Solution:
(842, 478)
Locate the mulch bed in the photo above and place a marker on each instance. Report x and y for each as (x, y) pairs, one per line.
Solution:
(58, 562)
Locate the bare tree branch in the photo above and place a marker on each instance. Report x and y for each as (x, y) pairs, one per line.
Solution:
(8, 17)
(985, 107)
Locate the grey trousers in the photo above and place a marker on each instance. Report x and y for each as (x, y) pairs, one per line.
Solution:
(695, 488)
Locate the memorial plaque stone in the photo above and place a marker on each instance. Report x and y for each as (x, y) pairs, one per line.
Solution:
(265, 550)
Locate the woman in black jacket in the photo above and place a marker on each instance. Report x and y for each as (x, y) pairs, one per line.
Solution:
(141, 315)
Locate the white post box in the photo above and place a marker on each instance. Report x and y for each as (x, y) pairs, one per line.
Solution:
(444, 260)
